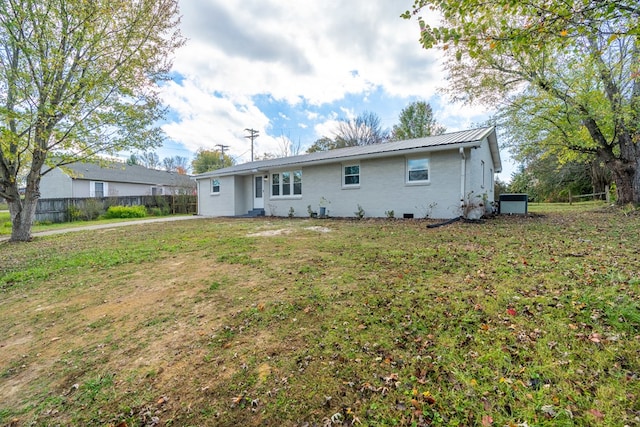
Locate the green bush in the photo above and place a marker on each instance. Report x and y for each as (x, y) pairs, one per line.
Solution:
(74, 213)
(91, 209)
(158, 211)
(126, 212)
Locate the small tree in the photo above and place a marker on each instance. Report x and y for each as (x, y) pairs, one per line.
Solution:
(77, 78)
(210, 160)
(362, 130)
(416, 121)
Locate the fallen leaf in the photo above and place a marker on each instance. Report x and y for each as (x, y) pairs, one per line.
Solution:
(597, 414)
(487, 421)
(511, 312)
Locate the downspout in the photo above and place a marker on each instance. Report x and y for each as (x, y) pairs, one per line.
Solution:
(463, 176)
(198, 196)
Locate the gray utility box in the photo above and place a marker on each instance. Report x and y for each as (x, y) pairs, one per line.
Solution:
(514, 204)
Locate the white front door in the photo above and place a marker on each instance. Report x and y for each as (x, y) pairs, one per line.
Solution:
(258, 192)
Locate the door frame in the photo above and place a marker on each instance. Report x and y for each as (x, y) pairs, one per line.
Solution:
(258, 199)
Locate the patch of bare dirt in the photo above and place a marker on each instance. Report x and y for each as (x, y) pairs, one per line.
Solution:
(287, 231)
(153, 322)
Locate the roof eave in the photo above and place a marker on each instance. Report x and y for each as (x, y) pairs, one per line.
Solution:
(399, 152)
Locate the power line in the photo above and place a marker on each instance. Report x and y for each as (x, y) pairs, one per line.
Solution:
(253, 134)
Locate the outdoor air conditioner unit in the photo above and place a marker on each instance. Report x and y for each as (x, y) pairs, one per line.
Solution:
(514, 204)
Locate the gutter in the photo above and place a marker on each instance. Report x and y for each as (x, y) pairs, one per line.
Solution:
(252, 169)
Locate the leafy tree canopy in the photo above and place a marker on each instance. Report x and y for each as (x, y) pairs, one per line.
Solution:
(566, 73)
(210, 160)
(416, 121)
(77, 79)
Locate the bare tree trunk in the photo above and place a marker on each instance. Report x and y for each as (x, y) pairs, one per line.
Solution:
(626, 175)
(22, 215)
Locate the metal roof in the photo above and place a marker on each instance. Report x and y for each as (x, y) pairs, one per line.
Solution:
(122, 172)
(431, 143)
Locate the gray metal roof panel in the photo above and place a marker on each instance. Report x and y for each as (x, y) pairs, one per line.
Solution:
(430, 142)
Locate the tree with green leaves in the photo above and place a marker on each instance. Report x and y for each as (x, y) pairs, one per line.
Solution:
(569, 70)
(365, 129)
(210, 160)
(416, 121)
(77, 79)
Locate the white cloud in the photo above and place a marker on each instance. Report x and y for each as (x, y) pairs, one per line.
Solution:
(309, 57)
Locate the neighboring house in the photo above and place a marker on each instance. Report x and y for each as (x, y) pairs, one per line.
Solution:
(413, 178)
(80, 180)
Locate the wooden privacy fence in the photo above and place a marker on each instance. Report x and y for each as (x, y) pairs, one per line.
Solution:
(67, 210)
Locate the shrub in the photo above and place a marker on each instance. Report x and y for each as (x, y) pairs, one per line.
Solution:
(91, 209)
(74, 213)
(126, 212)
(159, 211)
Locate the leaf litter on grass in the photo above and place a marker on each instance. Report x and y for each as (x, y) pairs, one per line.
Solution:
(514, 322)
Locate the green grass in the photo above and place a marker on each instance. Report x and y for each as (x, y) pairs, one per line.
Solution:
(517, 320)
(566, 207)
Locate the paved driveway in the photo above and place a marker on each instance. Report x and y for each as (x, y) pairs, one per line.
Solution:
(111, 225)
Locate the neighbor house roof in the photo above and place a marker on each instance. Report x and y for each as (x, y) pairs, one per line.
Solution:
(467, 138)
(122, 172)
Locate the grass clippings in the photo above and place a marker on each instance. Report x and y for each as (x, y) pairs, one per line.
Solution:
(519, 321)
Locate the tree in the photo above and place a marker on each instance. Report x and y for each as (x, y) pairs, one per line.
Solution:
(286, 148)
(210, 160)
(133, 160)
(77, 78)
(149, 160)
(175, 164)
(416, 121)
(323, 144)
(571, 68)
(362, 130)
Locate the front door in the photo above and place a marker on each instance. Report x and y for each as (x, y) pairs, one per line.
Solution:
(258, 192)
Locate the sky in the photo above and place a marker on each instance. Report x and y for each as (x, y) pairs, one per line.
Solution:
(290, 69)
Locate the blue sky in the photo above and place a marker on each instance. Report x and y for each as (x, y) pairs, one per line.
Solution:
(291, 68)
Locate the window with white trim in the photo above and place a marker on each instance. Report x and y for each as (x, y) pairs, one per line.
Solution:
(482, 168)
(351, 175)
(286, 184)
(98, 189)
(418, 170)
(157, 191)
(215, 186)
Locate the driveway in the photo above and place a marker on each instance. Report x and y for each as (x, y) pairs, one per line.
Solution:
(110, 225)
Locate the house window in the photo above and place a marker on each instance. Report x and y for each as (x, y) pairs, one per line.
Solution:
(286, 183)
(351, 175)
(275, 184)
(297, 183)
(157, 191)
(98, 189)
(482, 171)
(418, 170)
(215, 186)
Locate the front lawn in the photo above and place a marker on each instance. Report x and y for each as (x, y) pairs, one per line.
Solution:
(518, 321)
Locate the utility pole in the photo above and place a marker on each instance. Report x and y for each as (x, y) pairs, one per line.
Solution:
(222, 148)
(253, 134)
